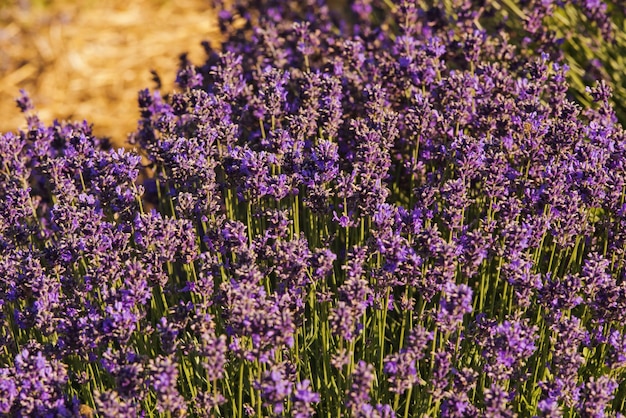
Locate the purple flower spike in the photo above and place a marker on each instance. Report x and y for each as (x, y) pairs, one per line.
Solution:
(595, 396)
(497, 403)
(455, 303)
(303, 399)
(506, 347)
(275, 389)
(24, 102)
(187, 77)
(162, 379)
(359, 393)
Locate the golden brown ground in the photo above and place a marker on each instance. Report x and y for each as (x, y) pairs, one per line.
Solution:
(87, 59)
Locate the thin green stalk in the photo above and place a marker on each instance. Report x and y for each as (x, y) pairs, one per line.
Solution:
(240, 391)
(408, 402)
(381, 331)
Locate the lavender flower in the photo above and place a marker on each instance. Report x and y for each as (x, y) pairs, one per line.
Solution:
(35, 386)
(506, 346)
(275, 389)
(617, 347)
(24, 102)
(567, 339)
(163, 377)
(111, 405)
(595, 396)
(8, 391)
(496, 402)
(358, 394)
(303, 399)
(353, 300)
(456, 302)
(441, 368)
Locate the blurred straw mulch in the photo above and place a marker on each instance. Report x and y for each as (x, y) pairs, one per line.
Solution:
(87, 59)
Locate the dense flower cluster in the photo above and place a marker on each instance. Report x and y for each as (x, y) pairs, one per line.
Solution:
(395, 213)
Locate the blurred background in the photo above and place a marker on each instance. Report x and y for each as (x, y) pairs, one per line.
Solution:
(87, 59)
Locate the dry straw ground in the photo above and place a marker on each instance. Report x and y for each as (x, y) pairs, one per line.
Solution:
(87, 59)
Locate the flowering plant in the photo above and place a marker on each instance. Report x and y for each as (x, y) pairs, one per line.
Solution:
(398, 213)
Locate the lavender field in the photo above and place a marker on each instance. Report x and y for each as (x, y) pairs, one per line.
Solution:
(405, 209)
